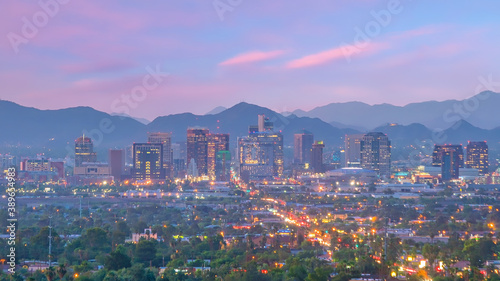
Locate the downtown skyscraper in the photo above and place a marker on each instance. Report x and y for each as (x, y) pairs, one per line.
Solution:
(148, 161)
(260, 154)
(352, 149)
(165, 139)
(302, 147)
(376, 153)
(450, 157)
(197, 151)
(317, 157)
(217, 143)
(84, 151)
(477, 156)
(440, 149)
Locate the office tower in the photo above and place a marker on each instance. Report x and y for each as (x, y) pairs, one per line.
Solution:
(317, 157)
(439, 149)
(148, 161)
(129, 156)
(264, 124)
(166, 140)
(177, 151)
(261, 121)
(260, 154)
(477, 156)
(376, 153)
(216, 143)
(117, 163)
(84, 151)
(197, 150)
(450, 162)
(35, 165)
(58, 167)
(352, 150)
(223, 166)
(302, 148)
(179, 167)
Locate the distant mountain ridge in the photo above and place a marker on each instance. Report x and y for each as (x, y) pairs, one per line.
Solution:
(54, 131)
(479, 110)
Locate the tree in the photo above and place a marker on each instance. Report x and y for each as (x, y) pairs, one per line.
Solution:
(319, 274)
(50, 273)
(298, 272)
(430, 252)
(61, 271)
(117, 260)
(111, 276)
(145, 250)
(96, 238)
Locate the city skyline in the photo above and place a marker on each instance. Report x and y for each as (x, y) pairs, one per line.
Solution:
(250, 140)
(221, 57)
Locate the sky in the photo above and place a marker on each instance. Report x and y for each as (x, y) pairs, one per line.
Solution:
(157, 57)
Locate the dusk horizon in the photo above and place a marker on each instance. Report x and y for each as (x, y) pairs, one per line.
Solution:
(211, 54)
(249, 140)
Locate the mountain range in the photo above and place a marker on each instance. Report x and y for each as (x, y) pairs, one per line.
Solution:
(479, 110)
(27, 130)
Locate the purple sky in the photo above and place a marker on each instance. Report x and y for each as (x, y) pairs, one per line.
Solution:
(282, 54)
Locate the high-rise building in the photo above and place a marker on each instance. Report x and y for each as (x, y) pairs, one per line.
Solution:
(477, 156)
(302, 148)
(166, 140)
(197, 150)
(352, 150)
(35, 165)
(117, 163)
(376, 153)
(148, 161)
(223, 166)
(317, 157)
(216, 143)
(439, 149)
(450, 161)
(84, 151)
(261, 154)
(264, 124)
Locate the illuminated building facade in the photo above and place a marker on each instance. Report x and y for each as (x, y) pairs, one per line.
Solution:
(477, 156)
(317, 157)
(352, 148)
(84, 151)
(450, 160)
(165, 139)
(261, 153)
(223, 166)
(441, 149)
(216, 143)
(376, 153)
(197, 150)
(148, 161)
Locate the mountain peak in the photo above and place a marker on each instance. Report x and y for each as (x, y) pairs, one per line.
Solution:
(216, 110)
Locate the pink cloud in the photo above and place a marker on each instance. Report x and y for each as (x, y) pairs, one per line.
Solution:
(422, 31)
(252, 57)
(342, 52)
(101, 66)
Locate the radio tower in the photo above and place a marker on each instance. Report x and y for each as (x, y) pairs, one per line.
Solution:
(50, 241)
